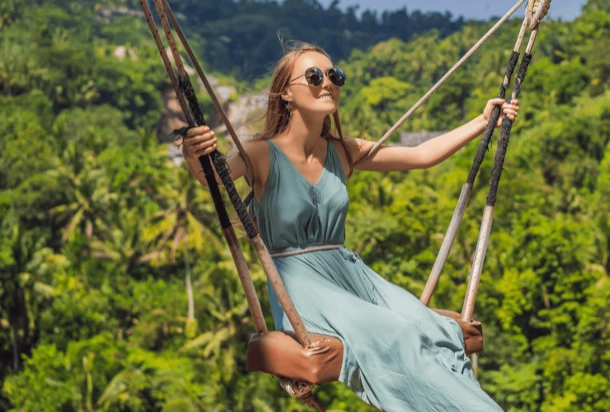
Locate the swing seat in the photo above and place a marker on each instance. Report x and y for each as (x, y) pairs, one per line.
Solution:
(280, 354)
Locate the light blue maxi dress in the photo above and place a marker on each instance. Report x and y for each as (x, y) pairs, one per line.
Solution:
(399, 355)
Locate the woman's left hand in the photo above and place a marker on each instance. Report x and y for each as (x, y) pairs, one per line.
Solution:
(510, 110)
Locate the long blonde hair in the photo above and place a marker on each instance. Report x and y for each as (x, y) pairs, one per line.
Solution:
(277, 116)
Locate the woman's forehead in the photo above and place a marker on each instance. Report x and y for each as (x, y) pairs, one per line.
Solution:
(312, 59)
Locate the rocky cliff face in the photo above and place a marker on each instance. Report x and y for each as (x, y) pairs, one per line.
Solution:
(172, 118)
(242, 112)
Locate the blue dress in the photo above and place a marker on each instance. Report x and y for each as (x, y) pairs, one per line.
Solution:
(399, 355)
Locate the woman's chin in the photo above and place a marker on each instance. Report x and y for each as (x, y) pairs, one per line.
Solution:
(327, 108)
(322, 110)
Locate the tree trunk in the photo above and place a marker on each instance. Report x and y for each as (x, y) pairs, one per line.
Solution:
(14, 332)
(189, 286)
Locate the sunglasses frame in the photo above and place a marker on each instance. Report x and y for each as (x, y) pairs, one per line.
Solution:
(314, 70)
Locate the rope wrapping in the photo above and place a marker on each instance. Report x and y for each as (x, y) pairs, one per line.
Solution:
(189, 93)
(219, 205)
(507, 126)
(527, 58)
(536, 11)
(222, 170)
(198, 119)
(491, 125)
(486, 223)
(219, 161)
(210, 91)
(220, 164)
(186, 86)
(183, 88)
(462, 203)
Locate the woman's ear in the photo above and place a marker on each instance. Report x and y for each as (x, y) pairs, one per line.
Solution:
(287, 96)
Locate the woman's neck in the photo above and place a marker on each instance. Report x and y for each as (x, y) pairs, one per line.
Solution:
(304, 133)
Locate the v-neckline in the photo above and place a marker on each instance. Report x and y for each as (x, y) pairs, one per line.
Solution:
(324, 171)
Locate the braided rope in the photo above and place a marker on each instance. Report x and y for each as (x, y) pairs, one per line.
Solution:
(220, 165)
(536, 11)
(296, 389)
(210, 91)
(302, 391)
(483, 240)
(464, 198)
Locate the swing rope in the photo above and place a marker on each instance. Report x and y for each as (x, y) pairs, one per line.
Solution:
(184, 89)
(180, 88)
(220, 165)
(210, 91)
(507, 124)
(464, 197)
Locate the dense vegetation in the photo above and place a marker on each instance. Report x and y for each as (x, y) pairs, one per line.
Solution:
(99, 230)
(241, 36)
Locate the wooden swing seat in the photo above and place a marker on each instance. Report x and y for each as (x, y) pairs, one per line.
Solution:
(280, 354)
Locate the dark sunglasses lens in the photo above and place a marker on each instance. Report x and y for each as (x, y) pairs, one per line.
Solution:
(336, 76)
(314, 76)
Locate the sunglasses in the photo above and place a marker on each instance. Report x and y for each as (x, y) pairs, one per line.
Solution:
(315, 76)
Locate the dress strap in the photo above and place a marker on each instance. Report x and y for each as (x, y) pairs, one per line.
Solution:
(335, 162)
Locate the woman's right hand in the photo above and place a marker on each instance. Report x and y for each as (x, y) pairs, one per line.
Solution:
(199, 141)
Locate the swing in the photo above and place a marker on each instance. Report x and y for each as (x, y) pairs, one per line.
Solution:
(300, 359)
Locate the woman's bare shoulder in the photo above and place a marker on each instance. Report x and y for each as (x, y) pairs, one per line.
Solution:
(258, 153)
(355, 146)
(256, 148)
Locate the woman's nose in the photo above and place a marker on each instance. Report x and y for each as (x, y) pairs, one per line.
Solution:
(327, 84)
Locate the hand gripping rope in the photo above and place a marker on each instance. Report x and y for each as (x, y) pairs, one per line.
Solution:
(460, 209)
(535, 12)
(442, 80)
(542, 8)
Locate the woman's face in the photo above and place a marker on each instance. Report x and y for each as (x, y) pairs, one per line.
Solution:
(324, 99)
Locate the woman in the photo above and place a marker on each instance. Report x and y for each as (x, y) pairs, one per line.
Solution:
(399, 355)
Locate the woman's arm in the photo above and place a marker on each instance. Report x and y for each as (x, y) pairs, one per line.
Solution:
(432, 152)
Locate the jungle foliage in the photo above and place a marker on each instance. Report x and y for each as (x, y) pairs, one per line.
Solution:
(117, 291)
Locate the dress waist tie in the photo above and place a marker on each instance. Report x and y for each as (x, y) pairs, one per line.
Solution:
(306, 250)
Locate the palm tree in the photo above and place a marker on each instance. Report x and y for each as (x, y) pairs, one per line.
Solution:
(88, 193)
(177, 224)
(226, 331)
(17, 64)
(121, 241)
(24, 263)
(132, 387)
